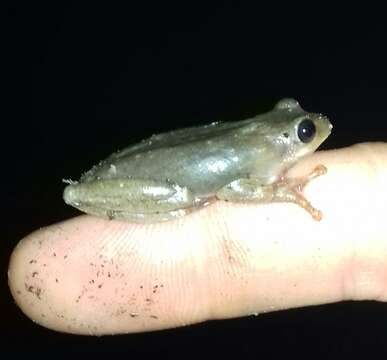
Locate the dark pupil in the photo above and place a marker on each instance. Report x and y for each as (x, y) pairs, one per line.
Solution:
(306, 130)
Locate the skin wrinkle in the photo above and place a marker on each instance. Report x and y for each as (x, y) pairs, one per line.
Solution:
(223, 261)
(202, 267)
(231, 265)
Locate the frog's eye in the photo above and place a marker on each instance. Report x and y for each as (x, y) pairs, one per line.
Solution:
(306, 130)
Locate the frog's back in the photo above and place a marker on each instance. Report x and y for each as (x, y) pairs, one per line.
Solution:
(201, 158)
(181, 137)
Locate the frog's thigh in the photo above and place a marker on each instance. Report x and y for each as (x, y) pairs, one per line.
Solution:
(246, 190)
(144, 196)
(133, 199)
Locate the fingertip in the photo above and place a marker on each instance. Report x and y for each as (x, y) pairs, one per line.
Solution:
(22, 276)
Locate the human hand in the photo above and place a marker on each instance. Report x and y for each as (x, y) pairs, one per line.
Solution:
(94, 276)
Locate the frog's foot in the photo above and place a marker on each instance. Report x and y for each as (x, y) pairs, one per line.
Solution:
(284, 190)
(290, 190)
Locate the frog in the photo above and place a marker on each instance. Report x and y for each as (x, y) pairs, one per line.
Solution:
(172, 174)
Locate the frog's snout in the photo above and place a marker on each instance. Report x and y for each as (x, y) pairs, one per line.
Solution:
(324, 126)
(326, 119)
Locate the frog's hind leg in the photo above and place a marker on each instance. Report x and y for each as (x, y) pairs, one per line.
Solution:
(135, 200)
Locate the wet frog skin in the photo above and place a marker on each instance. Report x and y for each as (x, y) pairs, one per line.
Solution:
(172, 174)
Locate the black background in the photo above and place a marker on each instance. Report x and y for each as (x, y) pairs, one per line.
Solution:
(86, 79)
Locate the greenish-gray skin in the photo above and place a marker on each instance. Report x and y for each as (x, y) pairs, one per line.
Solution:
(170, 175)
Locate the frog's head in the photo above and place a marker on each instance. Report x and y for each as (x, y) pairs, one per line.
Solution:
(301, 132)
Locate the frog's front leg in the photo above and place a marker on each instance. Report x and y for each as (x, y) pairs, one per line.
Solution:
(131, 199)
(284, 190)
